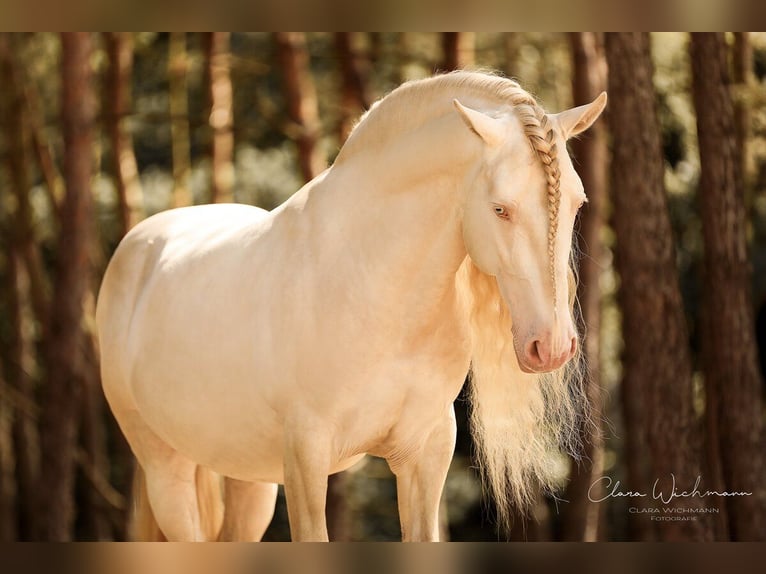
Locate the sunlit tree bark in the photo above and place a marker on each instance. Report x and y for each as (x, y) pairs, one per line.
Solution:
(354, 98)
(179, 118)
(582, 517)
(511, 54)
(300, 95)
(60, 403)
(218, 59)
(118, 106)
(458, 50)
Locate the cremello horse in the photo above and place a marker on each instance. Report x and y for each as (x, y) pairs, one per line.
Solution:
(280, 347)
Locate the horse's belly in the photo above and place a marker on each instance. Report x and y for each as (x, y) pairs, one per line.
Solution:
(241, 442)
(234, 436)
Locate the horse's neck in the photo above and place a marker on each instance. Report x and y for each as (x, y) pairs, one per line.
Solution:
(443, 145)
(401, 206)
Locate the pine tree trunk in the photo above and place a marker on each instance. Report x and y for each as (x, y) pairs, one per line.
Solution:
(60, 403)
(729, 348)
(511, 54)
(583, 518)
(458, 50)
(301, 97)
(354, 98)
(221, 118)
(119, 46)
(26, 294)
(179, 119)
(95, 511)
(657, 380)
(742, 68)
(19, 131)
(54, 181)
(8, 490)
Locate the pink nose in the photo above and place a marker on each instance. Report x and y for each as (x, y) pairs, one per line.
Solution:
(540, 355)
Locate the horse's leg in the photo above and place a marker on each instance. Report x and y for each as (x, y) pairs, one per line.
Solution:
(249, 508)
(170, 481)
(307, 466)
(420, 481)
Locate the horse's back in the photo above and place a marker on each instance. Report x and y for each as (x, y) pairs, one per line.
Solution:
(167, 238)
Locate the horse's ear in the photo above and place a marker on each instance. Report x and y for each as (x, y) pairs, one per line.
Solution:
(487, 128)
(579, 119)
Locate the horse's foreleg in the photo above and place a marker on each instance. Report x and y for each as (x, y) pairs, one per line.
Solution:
(419, 483)
(307, 465)
(249, 508)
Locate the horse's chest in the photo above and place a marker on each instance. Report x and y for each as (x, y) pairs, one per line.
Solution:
(400, 401)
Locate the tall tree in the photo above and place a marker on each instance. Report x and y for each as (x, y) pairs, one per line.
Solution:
(8, 514)
(301, 97)
(354, 97)
(657, 380)
(119, 47)
(26, 286)
(218, 59)
(728, 337)
(582, 517)
(178, 97)
(459, 50)
(510, 48)
(54, 182)
(60, 402)
(742, 68)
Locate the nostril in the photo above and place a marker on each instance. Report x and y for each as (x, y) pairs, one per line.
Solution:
(573, 347)
(533, 353)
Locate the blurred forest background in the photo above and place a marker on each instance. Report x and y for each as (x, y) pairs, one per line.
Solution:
(102, 130)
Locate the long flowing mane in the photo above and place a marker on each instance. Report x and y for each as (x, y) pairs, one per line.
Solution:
(519, 422)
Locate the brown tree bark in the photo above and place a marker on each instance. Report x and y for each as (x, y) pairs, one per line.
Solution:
(119, 47)
(511, 54)
(15, 359)
(96, 509)
(8, 491)
(178, 96)
(354, 98)
(458, 50)
(19, 131)
(54, 181)
(582, 519)
(301, 97)
(60, 402)
(729, 347)
(742, 72)
(26, 294)
(218, 60)
(657, 380)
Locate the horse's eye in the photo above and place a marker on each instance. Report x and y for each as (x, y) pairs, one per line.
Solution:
(501, 211)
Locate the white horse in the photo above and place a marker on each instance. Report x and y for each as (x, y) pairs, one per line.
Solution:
(283, 346)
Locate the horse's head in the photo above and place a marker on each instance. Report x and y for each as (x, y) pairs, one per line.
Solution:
(518, 222)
